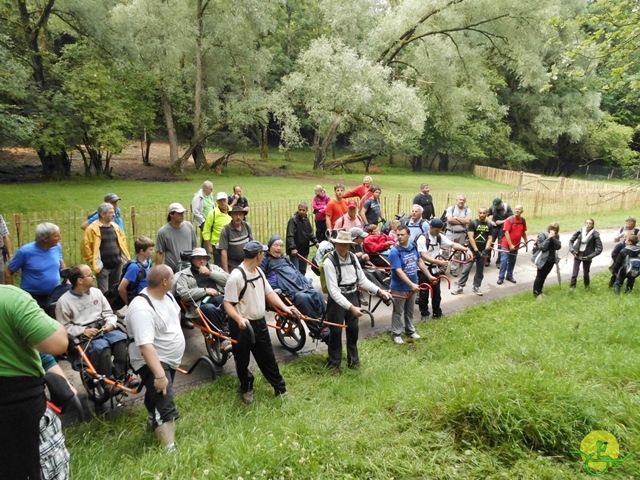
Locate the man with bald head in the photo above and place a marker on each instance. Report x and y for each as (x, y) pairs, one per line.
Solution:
(153, 322)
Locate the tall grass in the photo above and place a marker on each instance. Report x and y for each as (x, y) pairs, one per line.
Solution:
(502, 390)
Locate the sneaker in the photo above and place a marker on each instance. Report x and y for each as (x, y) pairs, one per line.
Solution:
(477, 291)
(171, 448)
(247, 397)
(150, 419)
(415, 336)
(186, 324)
(456, 291)
(455, 274)
(512, 280)
(398, 340)
(226, 346)
(500, 281)
(131, 381)
(424, 318)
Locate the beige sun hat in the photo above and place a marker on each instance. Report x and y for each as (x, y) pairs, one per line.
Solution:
(343, 237)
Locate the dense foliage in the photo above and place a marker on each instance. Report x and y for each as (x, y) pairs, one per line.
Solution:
(551, 84)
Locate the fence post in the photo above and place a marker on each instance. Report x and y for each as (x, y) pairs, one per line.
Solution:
(134, 222)
(398, 205)
(17, 221)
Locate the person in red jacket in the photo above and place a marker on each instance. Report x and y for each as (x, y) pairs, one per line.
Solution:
(363, 192)
(377, 241)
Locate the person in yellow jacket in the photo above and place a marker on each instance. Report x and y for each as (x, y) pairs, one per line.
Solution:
(104, 247)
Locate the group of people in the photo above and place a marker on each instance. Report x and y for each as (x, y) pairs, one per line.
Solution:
(231, 278)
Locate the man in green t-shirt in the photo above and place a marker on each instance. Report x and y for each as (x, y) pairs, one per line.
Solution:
(24, 330)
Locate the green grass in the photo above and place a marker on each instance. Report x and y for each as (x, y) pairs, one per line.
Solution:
(502, 390)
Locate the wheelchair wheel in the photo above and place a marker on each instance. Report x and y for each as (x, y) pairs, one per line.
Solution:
(97, 391)
(217, 356)
(291, 333)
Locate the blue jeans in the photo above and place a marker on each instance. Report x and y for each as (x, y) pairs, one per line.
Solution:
(507, 264)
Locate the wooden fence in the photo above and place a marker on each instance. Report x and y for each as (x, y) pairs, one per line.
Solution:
(269, 217)
(531, 181)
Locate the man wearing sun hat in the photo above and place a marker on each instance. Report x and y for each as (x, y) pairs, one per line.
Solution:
(343, 276)
(234, 236)
(245, 297)
(351, 219)
(174, 237)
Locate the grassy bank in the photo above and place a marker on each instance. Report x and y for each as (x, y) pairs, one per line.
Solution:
(503, 390)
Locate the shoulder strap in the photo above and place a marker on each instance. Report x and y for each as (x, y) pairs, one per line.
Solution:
(213, 223)
(247, 282)
(146, 297)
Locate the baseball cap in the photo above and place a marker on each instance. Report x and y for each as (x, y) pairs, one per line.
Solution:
(222, 196)
(358, 233)
(111, 197)
(352, 203)
(253, 248)
(436, 223)
(497, 201)
(176, 207)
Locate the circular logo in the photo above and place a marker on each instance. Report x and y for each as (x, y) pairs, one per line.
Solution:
(600, 444)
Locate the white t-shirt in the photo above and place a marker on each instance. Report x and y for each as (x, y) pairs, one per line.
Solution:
(433, 249)
(253, 303)
(159, 327)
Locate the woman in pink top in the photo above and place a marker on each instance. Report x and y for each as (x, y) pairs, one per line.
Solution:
(319, 203)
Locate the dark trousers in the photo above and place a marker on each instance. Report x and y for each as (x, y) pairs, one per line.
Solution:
(321, 228)
(102, 347)
(622, 274)
(22, 404)
(586, 267)
(542, 275)
(301, 265)
(423, 298)
(466, 269)
(215, 314)
(337, 314)
(262, 352)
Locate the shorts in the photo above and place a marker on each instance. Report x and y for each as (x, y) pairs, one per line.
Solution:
(161, 407)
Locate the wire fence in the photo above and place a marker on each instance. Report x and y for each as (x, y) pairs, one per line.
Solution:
(269, 217)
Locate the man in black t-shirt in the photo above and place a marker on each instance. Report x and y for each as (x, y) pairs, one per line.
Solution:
(479, 233)
(425, 201)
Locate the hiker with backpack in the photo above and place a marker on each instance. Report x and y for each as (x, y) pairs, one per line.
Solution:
(405, 262)
(415, 223)
(215, 221)
(135, 271)
(458, 217)
(245, 295)
(498, 213)
(430, 247)
(584, 245)
(627, 264)
(343, 276)
(545, 255)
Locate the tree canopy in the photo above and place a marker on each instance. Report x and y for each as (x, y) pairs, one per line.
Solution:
(551, 84)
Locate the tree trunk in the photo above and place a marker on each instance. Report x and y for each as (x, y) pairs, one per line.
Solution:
(347, 159)
(145, 147)
(199, 158)
(321, 153)
(55, 165)
(171, 131)
(443, 166)
(416, 163)
(264, 142)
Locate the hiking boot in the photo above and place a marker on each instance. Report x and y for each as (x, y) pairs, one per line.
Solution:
(512, 280)
(500, 281)
(398, 340)
(415, 336)
(186, 324)
(457, 291)
(171, 448)
(131, 381)
(477, 291)
(247, 397)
